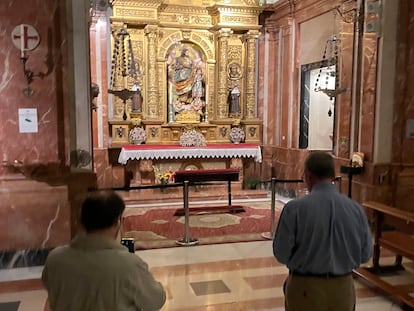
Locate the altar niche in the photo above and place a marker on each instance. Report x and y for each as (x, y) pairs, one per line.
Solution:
(186, 72)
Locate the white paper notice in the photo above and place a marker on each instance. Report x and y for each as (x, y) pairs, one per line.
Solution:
(28, 120)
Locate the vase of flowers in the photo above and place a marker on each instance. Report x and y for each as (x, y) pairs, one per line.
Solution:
(163, 178)
(137, 135)
(236, 135)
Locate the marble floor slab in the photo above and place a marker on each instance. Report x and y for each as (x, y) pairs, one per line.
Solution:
(235, 276)
(219, 277)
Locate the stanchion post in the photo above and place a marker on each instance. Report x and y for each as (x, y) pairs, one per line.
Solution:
(229, 191)
(186, 241)
(273, 207)
(270, 235)
(186, 214)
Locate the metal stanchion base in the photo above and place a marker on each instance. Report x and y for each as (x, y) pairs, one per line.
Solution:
(190, 242)
(267, 235)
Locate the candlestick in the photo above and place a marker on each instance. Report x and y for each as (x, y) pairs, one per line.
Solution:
(206, 106)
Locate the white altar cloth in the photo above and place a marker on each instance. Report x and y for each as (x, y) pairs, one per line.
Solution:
(150, 152)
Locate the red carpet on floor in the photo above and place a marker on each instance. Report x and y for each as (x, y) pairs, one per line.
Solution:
(218, 209)
(159, 227)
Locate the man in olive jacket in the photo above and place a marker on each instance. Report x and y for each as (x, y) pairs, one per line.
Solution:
(96, 272)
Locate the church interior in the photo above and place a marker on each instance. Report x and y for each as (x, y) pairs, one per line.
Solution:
(122, 94)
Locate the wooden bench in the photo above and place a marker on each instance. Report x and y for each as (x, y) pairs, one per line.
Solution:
(201, 175)
(393, 230)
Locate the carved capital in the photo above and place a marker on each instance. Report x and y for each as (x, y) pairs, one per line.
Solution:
(115, 27)
(252, 35)
(286, 26)
(273, 31)
(224, 32)
(151, 30)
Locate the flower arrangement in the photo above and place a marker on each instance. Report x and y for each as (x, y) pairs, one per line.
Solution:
(163, 178)
(137, 135)
(237, 134)
(192, 138)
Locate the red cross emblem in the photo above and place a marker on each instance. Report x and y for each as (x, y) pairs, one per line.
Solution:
(25, 38)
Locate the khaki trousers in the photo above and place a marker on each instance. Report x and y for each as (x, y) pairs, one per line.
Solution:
(319, 294)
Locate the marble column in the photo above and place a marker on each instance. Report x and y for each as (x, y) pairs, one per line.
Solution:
(223, 36)
(99, 32)
(271, 85)
(343, 101)
(151, 31)
(286, 87)
(80, 127)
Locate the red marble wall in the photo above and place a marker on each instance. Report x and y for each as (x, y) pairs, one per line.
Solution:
(39, 194)
(33, 215)
(403, 147)
(378, 180)
(288, 163)
(49, 62)
(368, 102)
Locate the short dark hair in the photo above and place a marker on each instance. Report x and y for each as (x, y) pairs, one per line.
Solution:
(101, 209)
(320, 164)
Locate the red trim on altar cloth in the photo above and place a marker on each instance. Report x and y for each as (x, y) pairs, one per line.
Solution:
(209, 146)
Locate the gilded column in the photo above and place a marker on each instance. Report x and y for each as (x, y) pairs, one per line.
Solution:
(250, 102)
(151, 32)
(223, 36)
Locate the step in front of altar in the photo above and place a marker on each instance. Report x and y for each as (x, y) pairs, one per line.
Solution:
(203, 193)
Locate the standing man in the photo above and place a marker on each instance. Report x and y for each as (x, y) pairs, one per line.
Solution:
(95, 272)
(321, 238)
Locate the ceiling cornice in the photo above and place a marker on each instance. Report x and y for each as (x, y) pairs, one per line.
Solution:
(302, 10)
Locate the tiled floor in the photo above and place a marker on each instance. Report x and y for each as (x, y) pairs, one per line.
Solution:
(236, 276)
(223, 277)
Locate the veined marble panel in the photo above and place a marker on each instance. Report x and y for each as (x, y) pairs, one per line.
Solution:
(33, 215)
(48, 66)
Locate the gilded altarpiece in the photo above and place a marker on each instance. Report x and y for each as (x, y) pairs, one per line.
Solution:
(196, 69)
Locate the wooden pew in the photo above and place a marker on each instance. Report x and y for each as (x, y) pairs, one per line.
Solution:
(393, 229)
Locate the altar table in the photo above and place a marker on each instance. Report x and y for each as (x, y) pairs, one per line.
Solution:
(150, 152)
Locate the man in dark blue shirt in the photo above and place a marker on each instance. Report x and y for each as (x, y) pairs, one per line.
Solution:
(321, 238)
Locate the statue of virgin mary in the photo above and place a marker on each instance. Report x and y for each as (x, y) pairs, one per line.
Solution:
(186, 80)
